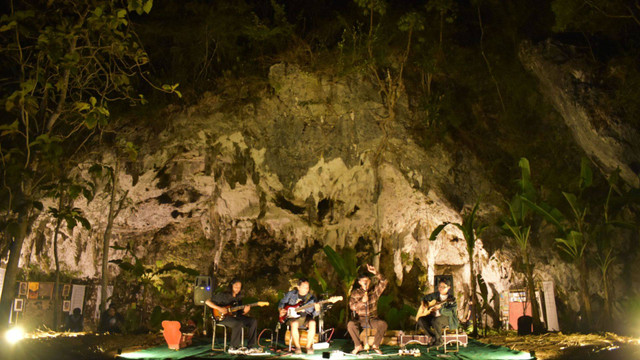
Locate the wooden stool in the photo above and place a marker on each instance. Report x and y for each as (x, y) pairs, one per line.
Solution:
(453, 336)
(406, 339)
(303, 337)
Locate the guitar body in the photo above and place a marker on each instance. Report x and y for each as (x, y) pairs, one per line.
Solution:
(425, 309)
(293, 311)
(428, 308)
(220, 316)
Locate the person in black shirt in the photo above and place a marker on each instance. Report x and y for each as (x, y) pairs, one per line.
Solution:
(111, 321)
(75, 321)
(443, 314)
(236, 321)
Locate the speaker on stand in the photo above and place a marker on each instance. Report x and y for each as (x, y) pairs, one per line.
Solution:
(201, 293)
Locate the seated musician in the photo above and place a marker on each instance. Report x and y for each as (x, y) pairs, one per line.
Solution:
(364, 303)
(301, 296)
(441, 312)
(236, 321)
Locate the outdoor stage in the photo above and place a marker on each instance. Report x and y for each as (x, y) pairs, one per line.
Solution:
(339, 350)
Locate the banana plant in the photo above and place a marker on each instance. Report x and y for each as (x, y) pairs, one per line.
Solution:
(398, 317)
(604, 255)
(485, 307)
(573, 229)
(517, 226)
(470, 230)
(576, 230)
(319, 284)
(345, 265)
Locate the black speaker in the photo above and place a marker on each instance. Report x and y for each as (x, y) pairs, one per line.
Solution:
(202, 290)
(524, 325)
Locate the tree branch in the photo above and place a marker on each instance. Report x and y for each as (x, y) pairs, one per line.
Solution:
(63, 96)
(121, 204)
(487, 60)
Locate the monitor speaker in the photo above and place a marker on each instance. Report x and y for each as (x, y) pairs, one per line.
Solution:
(202, 290)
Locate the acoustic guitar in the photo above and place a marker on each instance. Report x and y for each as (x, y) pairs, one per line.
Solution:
(232, 309)
(294, 310)
(426, 309)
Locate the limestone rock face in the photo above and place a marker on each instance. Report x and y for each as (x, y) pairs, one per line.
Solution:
(571, 83)
(254, 187)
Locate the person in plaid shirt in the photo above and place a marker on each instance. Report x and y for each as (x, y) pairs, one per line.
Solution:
(363, 302)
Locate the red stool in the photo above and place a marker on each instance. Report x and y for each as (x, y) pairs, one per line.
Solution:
(172, 334)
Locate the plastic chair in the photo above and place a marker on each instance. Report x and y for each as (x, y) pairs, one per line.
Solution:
(224, 327)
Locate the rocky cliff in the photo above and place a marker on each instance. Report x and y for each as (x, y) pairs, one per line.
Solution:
(255, 184)
(575, 85)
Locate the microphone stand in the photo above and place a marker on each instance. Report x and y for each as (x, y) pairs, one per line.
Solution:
(367, 329)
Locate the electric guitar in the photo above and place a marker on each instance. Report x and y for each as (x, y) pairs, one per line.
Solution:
(426, 309)
(232, 309)
(294, 310)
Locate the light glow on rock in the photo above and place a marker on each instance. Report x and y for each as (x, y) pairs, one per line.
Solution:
(14, 335)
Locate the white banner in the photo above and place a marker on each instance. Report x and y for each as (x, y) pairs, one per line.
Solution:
(2, 271)
(77, 297)
(96, 314)
(550, 305)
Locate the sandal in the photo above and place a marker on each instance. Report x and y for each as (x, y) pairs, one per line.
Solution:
(356, 349)
(377, 350)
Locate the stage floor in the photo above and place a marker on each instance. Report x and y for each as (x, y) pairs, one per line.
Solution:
(339, 350)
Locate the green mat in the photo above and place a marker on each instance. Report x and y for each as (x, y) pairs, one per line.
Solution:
(339, 350)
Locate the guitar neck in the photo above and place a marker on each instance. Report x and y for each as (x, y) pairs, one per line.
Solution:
(307, 306)
(240, 307)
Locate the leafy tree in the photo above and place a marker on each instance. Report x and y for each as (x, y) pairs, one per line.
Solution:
(446, 10)
(428, 60)
(67, 60)
(470, 229)
(389, 80)
(213, 39)
(115, 206)
(592, 16)
(66, 191)
(148, 277)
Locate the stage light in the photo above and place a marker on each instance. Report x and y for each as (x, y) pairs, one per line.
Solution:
(132, 355)
(14, 335)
